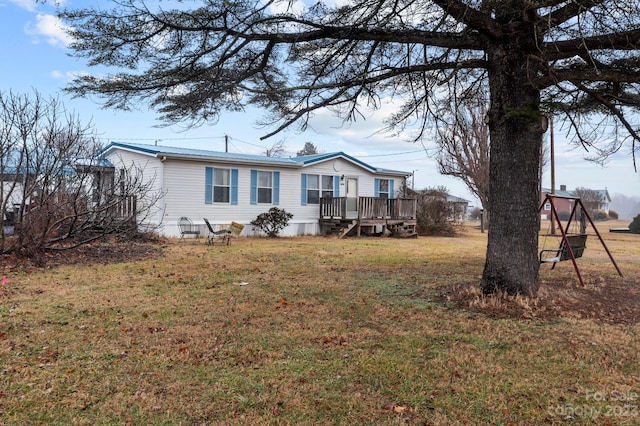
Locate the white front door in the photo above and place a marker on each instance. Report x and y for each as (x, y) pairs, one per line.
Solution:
(352, 197)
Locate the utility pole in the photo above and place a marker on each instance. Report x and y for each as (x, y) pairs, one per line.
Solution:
(226, 143)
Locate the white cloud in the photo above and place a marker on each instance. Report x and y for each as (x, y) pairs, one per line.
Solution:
(67, 76)
(367, 132)
(29, 5)
(50, 27)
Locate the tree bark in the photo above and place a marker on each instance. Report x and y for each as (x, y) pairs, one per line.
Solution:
(516, 138)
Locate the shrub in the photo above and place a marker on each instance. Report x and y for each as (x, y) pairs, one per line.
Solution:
(564, 215)
(634, 227)
(435, 216)
(613, 215)
(272, 222)
(600, 215)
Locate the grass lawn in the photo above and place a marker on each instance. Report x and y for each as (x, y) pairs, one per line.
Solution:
(321, 331)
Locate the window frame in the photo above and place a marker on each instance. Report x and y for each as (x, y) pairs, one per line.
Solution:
(328, 186)
(210, 185)
(256, 187)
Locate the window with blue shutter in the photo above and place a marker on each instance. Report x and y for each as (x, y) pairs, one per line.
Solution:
(265, 187)
(315, 187)
(219, 186)
(381, 187)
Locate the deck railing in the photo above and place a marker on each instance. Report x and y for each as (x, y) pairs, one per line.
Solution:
(369, 208)
(126, 207)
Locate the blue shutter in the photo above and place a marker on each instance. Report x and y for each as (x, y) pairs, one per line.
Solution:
(208, 185)
(391, 191)
(276, 188)
(376, 187)
(336, 186)
(254, 187)
(303, 192)
(234, 186)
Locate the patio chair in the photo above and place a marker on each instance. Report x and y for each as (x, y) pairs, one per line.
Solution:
(187, 227)
(222, 235)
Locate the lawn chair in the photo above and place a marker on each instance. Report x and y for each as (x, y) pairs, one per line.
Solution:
(187, 227)
(223, 235)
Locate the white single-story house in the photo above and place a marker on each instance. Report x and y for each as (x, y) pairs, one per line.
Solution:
(228, 187)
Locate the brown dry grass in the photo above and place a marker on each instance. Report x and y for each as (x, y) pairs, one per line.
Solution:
(325, 331)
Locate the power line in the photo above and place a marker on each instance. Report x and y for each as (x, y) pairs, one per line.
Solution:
(397, 153)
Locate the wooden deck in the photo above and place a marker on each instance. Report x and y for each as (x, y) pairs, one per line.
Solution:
(369, 216)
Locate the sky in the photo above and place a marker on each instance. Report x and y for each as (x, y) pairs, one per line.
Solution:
(35, 57)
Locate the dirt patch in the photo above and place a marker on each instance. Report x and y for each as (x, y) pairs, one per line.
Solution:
(110, 250)
(615, 302)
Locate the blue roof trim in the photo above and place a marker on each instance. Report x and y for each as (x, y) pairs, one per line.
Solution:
(305, 160)
(158, 150)
(310, 159)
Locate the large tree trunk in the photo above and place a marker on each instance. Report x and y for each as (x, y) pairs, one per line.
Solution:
(516, 138)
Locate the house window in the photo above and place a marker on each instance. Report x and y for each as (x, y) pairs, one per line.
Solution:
(316, 186)
(221, 185)
(265, 187)
(547, 206)
(313, 189)
(383, 188)
(327, 186)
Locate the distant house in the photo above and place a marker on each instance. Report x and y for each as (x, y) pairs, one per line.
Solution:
(566, 204)
(459, 207)
(321, 191)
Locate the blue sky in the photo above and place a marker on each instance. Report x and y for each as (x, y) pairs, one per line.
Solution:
(35, 57)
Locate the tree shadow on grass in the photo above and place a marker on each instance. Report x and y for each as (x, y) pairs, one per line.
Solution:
(605, 299)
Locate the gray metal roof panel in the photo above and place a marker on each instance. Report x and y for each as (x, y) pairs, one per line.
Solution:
(306, 160)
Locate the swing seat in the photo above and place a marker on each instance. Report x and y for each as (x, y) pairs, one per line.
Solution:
(577, 243)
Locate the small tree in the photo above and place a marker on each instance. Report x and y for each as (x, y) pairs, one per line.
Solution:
(592, 200)
(434, 213)
(52, 191)
(464, 145)
(309, 149)
(278, 149)
(272, 222)
(634, 226)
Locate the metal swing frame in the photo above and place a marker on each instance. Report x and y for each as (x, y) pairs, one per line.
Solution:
(571, 245)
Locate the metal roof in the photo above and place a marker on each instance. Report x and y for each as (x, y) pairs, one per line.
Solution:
(165, 152)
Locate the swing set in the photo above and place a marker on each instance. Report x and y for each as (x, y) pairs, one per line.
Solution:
(572, 242)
